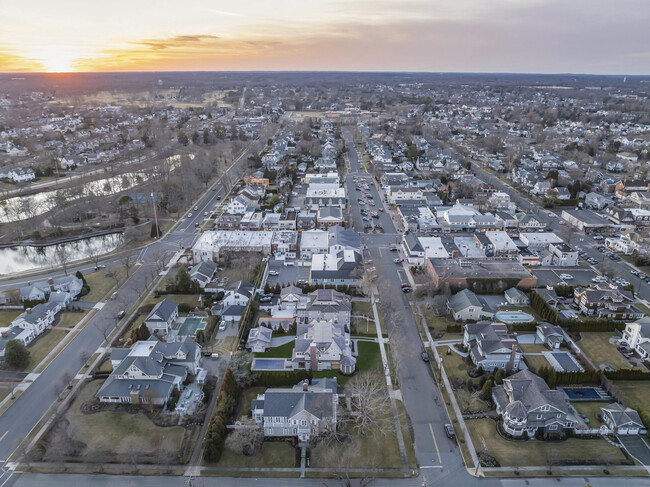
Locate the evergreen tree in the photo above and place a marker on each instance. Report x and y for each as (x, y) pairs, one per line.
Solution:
(486, 391)
(16, 354)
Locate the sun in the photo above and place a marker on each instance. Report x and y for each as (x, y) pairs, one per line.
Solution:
(55, 59)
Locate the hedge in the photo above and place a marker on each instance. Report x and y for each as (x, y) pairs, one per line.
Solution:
(278, 379)
(227, 403)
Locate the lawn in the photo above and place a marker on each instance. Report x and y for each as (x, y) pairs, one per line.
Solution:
(100, 283)
(191, 300)
(633, 393)
(283, 351)
(118, 433)
(43, 345)
(369, 357)
(533, 347)
(591, 410)
(453, 363)
(536, 362)
(532, 452)
(6, 317)
(274, 454)
(68, 319)
(366, 327)
(361, 308)
(597, 348)
(367, 455)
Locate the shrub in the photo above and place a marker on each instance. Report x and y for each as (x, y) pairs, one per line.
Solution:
(16, 354)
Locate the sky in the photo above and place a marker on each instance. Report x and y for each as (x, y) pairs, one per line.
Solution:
(531, 36)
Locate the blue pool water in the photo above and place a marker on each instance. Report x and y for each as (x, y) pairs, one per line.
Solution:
(268, 364)
(514, 317)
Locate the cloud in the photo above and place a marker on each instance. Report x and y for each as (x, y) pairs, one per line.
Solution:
(176, 41)
(10, 62)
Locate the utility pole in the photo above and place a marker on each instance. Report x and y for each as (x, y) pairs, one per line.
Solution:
(155, 215)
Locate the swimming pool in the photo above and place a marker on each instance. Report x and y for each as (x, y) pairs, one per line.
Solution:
(269, 364)
(191, 325)
(514, 317)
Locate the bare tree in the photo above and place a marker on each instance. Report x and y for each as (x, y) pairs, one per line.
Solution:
(62, 256)
(369, 410)
(344, 461)
(247, 439)
(128, 261)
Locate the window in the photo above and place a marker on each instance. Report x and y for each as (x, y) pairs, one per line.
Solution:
(552, 427)
(304, 422)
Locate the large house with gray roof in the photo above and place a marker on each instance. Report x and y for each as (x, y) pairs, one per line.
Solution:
(162, 317)
(323, 345)
(637, 336)
(304, 411)
(526, 404)
(466, 306)
(327, 304)
(40, 290)
(149, 371)
(491, 347)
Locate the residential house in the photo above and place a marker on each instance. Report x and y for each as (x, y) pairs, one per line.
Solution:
(313, 242)
(305, 411)
(516, 297)
(622, 420)
(149, 371)
(491, 347)
(237, 294)
(162, 317)
(329, 216)
(466, 306)
(40, 290)
(323, 345)
(203, 272)
(563, 255)
(339, 268)
(527, 404)
(329, 305)
(552, 336)
(637, 336)
(607, 302)
(259, 339)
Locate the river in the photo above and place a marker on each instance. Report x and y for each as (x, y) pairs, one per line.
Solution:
(25, 258)
(25, 207)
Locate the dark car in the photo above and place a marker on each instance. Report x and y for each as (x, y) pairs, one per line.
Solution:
(407, 290)
(449, 430)
(425, 356)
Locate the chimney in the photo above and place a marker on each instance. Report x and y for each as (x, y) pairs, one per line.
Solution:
(51, 283)
(28, 310)
(511, 362)
(313, 358)
(305, 385)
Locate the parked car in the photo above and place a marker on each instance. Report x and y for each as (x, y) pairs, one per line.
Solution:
(274, 273)
(449, 431)
(425, 356)
(222, 326)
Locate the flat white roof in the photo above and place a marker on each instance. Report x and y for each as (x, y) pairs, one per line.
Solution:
(433, 247)
(500, 240)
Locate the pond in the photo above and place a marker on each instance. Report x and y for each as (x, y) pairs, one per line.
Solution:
(26, 258)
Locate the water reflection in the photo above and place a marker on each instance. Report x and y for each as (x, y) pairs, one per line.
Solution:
(20, 259)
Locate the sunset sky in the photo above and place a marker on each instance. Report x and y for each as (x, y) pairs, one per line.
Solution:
(542, 36)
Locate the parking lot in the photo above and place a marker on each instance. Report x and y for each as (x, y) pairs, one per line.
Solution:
(287, 274)
(550, 277)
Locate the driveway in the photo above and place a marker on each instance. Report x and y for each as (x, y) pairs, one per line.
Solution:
(637, 447)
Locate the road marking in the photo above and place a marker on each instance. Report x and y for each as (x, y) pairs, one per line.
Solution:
(2, 438)
(435, 443)
(430, 466)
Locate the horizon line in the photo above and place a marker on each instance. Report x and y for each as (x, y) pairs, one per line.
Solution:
(336, 71)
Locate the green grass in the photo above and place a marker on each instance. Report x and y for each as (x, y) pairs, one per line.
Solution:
(597, 348)
(365, 327)
(642, 307)
(68, 319)
(274, 454)
(369, 357)
(533, 347)
(635, 394)
(119, 433)
(533, 452)
(453, 363)
(283, 351)
(191, 300)
(6, 317)
(362, 308)
(100, 283)
(591, 410)
(536, 362)
(43, 345)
